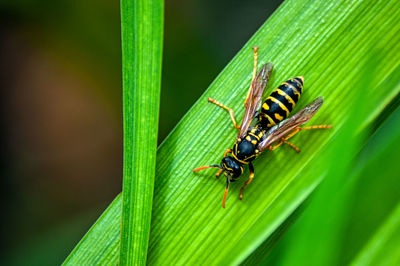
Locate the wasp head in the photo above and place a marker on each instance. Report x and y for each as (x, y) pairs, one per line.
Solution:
(232, 168)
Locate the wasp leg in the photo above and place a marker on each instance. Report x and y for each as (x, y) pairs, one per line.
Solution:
(297, 130)
(294, 132)
(255, 48)
(283, 140)
(317, 127)
(271, 148)
(219, 173)
(251, 176)
(211, 100)
(227, 151)
(225, 154)
(292, 145)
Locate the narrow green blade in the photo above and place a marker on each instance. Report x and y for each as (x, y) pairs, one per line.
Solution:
(142, 39)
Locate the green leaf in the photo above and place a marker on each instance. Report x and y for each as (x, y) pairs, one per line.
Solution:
(142, 27)
(327, 43)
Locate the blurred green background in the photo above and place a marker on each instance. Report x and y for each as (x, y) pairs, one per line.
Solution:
(62, 107)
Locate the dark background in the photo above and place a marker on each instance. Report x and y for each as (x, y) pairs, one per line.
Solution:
(61, 100)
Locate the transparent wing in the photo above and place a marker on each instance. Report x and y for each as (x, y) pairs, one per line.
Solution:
(287, 126)
(255, 96)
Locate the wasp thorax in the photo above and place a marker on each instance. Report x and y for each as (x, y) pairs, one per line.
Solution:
(231, 166)
(245, 149)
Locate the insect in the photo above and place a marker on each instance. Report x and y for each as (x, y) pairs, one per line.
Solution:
(270, 125)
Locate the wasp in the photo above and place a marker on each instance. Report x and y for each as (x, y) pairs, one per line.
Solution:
(267, 128)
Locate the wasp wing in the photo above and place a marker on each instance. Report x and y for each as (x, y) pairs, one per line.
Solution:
(285, 127)
(255, 96)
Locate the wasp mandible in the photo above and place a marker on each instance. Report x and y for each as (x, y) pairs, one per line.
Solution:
(272, 125)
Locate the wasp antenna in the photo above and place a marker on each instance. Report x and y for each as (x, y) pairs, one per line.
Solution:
(226, 192)
(205, 167)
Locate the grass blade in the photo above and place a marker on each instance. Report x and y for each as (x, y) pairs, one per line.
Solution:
(142, 25)
(325, 42)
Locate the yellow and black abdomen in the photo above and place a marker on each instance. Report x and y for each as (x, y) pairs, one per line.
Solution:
(281, 102)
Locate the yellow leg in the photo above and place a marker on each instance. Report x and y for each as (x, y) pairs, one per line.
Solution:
(271, 148)
(226, 108)
(297, 130)
(283, 140)
(294, 132)
(227, 151)
(317, 127)
(292, 145)
(251, 176)
(219, 173)
(255, 49)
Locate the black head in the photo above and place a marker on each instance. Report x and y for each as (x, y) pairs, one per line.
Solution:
(231, 168)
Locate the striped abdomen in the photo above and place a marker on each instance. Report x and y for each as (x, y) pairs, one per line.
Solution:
(281, 102)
